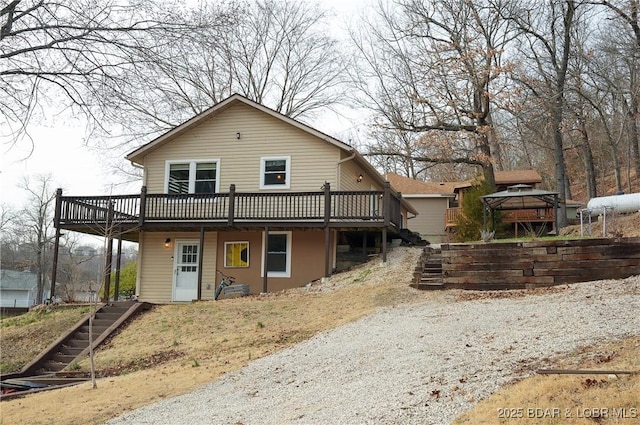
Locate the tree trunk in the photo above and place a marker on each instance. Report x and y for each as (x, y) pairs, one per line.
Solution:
(560, 172)
(587, 157)
(616, 167)
(634, 115)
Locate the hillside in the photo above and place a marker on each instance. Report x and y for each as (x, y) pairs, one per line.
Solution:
(175, 349)
(621, 225)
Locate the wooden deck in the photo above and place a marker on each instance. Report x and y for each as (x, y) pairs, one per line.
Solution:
(230, 210)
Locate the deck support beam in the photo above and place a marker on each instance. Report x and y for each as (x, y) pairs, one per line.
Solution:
(200, 263)
(116, 288)
(108, 255)
(56, 245)
(265, 261)
(327, 231)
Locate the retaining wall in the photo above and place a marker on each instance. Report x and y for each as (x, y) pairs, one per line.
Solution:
(533, 264)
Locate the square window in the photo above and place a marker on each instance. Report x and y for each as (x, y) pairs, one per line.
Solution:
(275, 173)
(236, 254)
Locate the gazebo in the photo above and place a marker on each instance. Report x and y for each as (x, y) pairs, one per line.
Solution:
(524, 205)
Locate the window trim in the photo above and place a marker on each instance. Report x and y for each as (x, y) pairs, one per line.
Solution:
(226, 244)
(193, 163)
(287, 272)
(287, 170)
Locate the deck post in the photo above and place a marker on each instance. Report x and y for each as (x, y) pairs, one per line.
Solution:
(56, 245)
(387, 212)
(200, 263)
(232, 204)
(116, 288)
(265, 261)
(108, 253)
(484, 216)
(143, 206)
(327, 231)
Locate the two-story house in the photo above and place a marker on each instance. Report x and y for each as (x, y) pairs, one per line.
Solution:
(247, 191)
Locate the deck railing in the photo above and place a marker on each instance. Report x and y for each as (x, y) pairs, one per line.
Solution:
(232, 208)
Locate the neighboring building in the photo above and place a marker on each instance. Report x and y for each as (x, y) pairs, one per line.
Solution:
(431, 200)
(18, 289)
(543, 217)
(504, 179)
(247, 191)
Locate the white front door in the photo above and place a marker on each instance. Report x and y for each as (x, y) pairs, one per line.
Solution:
(185, 283)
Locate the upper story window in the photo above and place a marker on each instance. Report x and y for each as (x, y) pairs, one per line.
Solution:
(275, 172)
(192, 176)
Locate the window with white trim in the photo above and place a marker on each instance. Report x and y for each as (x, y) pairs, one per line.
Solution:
(275, 172)
(278, 248)
(236, 254)
(196, 176)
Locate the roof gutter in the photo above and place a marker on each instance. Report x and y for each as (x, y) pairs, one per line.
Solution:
(339, 163)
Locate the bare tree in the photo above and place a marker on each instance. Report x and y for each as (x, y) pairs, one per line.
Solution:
(434, 68)
(546, 43)
(277, 53)
(56, 55)
(8, 216)
(36, 223)
(627, 43)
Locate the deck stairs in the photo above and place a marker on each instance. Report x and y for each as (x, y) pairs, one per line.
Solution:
(411, 238)
(428, 272)
(53, 363)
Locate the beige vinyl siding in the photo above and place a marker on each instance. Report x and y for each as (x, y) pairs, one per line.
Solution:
(430, 220)
(156, 265)
(313, 161)
(307, 259)
(349, 172)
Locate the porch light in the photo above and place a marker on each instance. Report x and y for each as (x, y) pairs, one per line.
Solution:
(167, 242)
(359, 178)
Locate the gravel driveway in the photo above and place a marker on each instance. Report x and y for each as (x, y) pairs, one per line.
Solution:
(416, 364)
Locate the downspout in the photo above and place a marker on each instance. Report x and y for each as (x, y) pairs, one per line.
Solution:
(339, 169)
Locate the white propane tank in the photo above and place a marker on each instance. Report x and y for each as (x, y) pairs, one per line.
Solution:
(621, 203)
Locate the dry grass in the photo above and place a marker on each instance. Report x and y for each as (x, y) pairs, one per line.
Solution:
(24, 337)
(174, 349)
(570, 399)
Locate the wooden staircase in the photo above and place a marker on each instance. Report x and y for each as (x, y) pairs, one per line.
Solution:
(74, 346)
(428, 272)
(51, 368)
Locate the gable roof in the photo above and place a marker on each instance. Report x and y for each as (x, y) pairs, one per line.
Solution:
(513, 177)
(137, 155)
(409, 186)
(509, 178)
(17, 280)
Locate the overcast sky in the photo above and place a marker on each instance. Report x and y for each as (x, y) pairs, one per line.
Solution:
(59, 150)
